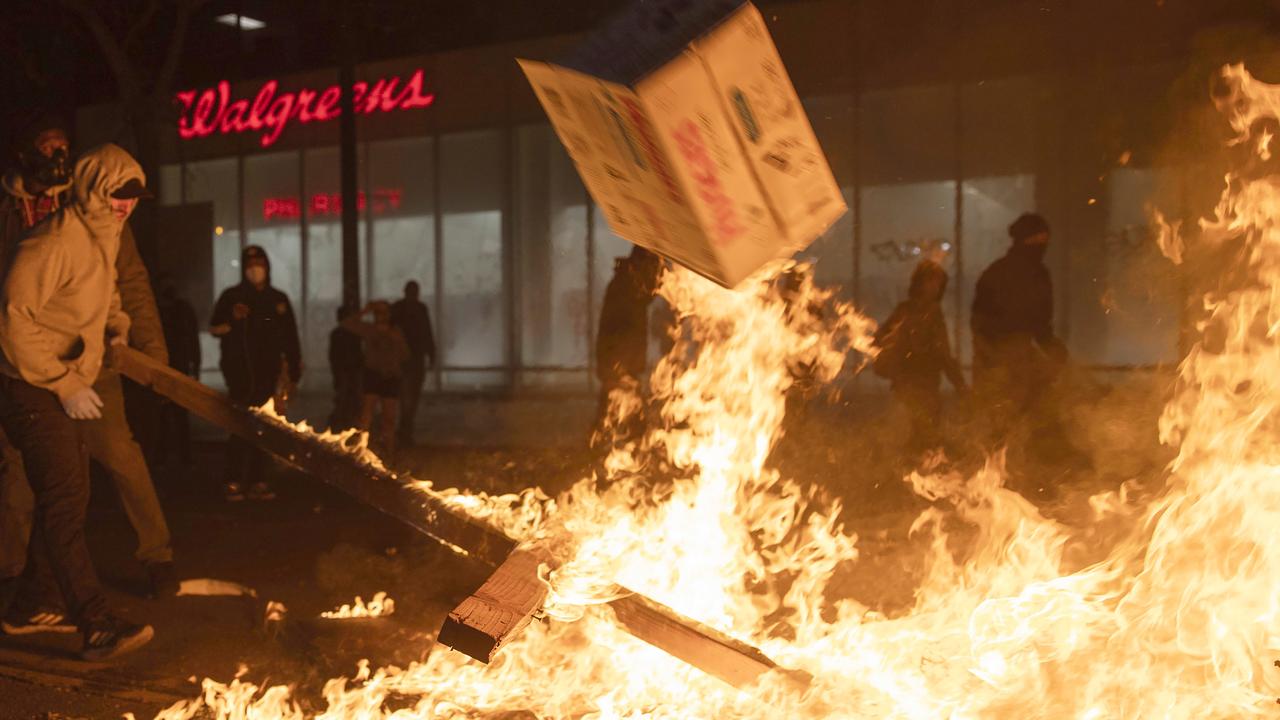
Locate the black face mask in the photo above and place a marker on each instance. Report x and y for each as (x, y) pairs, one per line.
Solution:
(49, 171)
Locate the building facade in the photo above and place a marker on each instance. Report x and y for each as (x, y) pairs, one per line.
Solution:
(937, 141)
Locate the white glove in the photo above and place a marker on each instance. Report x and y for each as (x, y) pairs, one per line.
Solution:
(83, 404)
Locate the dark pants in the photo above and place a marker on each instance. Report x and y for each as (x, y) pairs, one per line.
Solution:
(346, 398)
(247, 464)
(415, 372)
(57, 467)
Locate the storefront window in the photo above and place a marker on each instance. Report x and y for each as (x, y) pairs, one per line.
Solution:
(551, 233)
(321, 202)
(473, 330)
(1140, 295)
(990, 205)
(401, 185)
(271, 194)
(214, 181)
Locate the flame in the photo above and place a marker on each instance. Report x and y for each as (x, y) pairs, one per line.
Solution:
(1177, 616)
(379, 606)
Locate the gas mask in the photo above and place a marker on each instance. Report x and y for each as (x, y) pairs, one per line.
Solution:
(256, 274)
(50, 171)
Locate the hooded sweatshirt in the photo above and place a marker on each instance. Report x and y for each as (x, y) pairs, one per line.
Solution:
(59, 299)
(255, 346)
(21, 209)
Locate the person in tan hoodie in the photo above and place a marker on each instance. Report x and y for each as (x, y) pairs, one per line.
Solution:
(59, 306)
(34, 188)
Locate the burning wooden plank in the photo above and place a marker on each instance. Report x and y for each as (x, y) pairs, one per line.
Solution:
(499, 610)
(506, 603)
(378, 488)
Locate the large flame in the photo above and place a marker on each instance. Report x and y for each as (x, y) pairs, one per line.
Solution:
(1179, 618)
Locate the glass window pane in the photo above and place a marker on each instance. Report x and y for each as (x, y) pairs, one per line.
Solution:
(551, 224)
(1141, 291)
(273, 215)
(474, 320)
(170, 185)
(404, 217)
(990, 205)
(322, 202)
(214, 181)
(832, 253)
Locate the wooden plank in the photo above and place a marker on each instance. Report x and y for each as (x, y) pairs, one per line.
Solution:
(502, 607)
(703, 647)
(487, 620)
(380, 489)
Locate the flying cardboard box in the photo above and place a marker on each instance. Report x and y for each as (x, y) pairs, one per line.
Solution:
(690, 137)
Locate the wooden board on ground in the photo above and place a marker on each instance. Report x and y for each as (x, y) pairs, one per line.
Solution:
(501, 607)
(494, 614)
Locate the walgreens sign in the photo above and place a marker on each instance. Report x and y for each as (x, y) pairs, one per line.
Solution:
(269, 112)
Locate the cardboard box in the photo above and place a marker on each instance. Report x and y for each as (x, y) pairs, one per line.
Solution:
(688, 133)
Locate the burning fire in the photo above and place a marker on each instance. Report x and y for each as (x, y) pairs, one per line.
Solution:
(1178, 616)
(379, 606)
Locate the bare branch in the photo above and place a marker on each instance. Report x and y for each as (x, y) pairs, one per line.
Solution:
(117, 60)
(164, 80)
(139, 26)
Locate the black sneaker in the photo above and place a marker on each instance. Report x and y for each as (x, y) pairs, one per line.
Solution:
(110, 637)
(40, 620)
(161, 580)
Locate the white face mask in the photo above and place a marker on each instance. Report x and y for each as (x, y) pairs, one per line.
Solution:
(256, 274)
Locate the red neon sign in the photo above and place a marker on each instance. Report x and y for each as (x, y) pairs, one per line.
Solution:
(212, 110)
(322, 204)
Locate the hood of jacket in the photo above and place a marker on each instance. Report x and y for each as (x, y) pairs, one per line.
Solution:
(256, 253)
(98, 173)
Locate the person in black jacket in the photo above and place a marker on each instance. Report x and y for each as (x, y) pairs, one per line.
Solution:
(915, 353)
(260, 347)
(1016, 354)
(346, 362)
(410, 314)
(622, 338)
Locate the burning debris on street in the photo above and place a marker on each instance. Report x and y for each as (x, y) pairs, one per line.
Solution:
(658, 428)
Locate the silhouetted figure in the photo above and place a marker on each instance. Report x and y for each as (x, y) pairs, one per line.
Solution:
(385, 353)
(346, 362)
(259, 342)
(410, 314)
(1016, 355)
(915, 352)
(182, 337)
(622, 337)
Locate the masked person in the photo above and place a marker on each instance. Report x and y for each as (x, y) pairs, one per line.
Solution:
(915, 353)
(259, 341)
(385, 354)
(1015, 352)
(59, 306)
(622, 338)
(410, 314)
(40, 184)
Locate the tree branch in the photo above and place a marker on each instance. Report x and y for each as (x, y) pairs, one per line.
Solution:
(138, 26)
(164, 80)
(121, 68)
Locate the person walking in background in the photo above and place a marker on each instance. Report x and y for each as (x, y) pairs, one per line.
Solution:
(385, 353)
(59, 306)
(410, 314)
(915, 352)
(258, 335)
(182, 335)
(38, 185)
(622, 338)
(346, 362)
(1016, 354)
